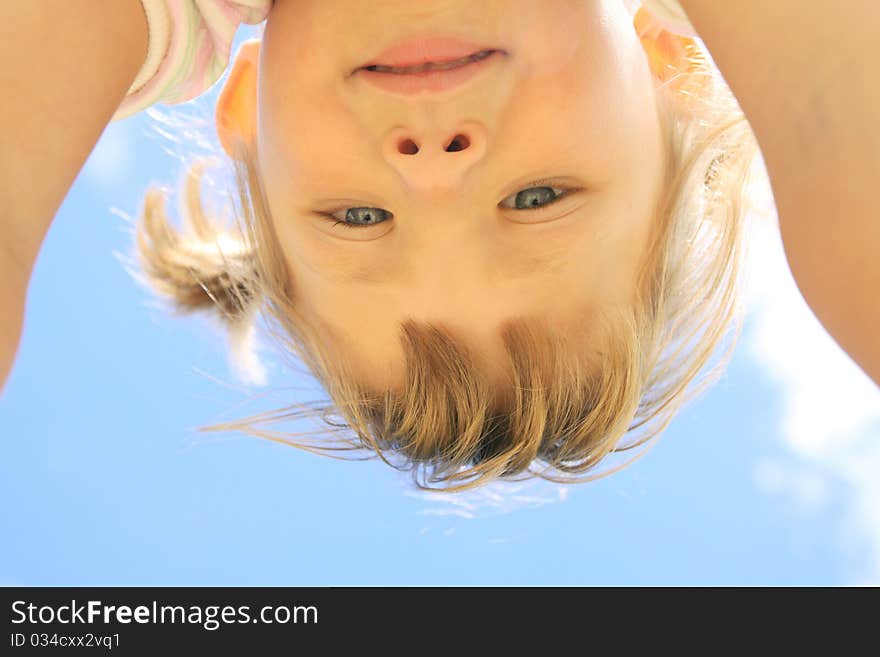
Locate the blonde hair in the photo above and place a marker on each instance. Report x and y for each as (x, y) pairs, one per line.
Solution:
(569, 405)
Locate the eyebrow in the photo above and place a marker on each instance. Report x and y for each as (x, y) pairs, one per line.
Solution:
(519, 267)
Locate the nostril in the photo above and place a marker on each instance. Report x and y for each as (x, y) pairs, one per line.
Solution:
(407, 147)
(459, 143)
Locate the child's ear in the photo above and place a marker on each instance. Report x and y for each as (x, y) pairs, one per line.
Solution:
(667, 52)
(236, 111)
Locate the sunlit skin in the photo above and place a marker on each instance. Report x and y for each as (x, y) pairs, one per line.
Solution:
(573, 103)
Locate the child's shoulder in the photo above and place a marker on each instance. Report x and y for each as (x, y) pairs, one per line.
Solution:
(188, 49)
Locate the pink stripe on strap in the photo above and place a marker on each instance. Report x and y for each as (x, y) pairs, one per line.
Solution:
(201, 36)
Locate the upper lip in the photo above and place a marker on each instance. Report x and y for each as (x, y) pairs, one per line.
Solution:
(432, 82)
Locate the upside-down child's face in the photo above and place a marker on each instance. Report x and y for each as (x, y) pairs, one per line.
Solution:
(470, 235)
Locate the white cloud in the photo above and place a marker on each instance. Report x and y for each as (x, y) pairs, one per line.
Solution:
(830, 409)
(809, 488)
(111, 162)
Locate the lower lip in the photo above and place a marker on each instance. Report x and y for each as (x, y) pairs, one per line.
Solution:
(429, 81)
(413, 52)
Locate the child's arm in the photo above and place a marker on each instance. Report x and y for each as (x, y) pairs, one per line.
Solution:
(805, 74)
(65, 66)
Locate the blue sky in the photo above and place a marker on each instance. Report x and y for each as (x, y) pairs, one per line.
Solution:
(770, 478)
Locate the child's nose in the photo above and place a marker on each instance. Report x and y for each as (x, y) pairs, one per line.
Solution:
(432, 161)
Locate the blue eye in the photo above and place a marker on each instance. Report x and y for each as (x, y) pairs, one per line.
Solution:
(359, 217)
(532, 198)
(535, 198)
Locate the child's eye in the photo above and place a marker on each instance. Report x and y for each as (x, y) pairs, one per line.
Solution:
(358, 217)
(536, 197)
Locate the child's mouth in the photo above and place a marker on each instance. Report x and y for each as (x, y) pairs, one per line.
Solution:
(429, 67)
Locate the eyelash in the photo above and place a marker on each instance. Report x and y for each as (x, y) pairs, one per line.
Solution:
(540, 183)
